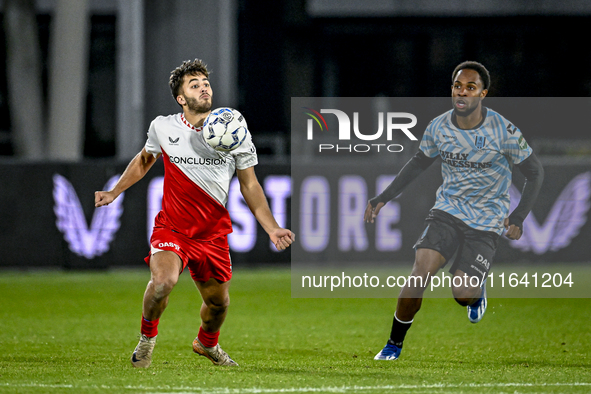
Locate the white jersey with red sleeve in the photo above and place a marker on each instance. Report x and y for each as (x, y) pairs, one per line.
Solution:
(196, 177)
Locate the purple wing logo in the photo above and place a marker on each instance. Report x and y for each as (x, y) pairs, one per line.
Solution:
(564, 221)
(82, 240)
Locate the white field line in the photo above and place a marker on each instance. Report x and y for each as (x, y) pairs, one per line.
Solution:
(437, 388)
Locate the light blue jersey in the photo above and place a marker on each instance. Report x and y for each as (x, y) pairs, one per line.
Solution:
(477, 167)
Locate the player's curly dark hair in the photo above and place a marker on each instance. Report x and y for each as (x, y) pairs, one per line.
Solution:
(189, 67)
(478, 67)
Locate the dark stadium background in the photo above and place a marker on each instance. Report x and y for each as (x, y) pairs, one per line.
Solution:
(283, 49)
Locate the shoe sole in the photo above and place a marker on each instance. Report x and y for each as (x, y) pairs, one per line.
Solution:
(385, 359)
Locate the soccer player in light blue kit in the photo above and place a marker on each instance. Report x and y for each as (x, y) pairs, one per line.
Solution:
(478, 148)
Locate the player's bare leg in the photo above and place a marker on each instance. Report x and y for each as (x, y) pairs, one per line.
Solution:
(427, 263)
(472, 295)
(216, 299)
(466, 294)
(165, 268)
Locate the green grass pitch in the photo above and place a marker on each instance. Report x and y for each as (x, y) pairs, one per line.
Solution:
(64, 332)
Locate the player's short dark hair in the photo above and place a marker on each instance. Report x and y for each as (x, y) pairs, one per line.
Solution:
(478, 67)
(189, 67)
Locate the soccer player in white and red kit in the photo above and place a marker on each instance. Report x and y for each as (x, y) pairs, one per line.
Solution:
(192, 227)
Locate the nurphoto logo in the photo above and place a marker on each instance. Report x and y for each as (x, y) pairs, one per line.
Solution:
(390, 122)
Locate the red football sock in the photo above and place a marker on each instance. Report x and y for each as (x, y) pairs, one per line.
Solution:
(149, 328)
(208, 339)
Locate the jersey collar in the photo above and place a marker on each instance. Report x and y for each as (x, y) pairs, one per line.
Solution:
(484, 112)
(186, 122)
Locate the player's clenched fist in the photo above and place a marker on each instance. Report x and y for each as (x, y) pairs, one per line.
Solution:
(103, 198)
(282, 238)
(514, 232)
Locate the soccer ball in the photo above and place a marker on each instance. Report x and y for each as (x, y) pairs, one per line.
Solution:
(225, 129)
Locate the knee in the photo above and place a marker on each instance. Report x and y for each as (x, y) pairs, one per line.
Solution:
(419, 279)
(162, 286)
(465, 301)
(427, 263)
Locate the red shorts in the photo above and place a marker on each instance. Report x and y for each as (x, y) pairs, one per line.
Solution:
(205, 259)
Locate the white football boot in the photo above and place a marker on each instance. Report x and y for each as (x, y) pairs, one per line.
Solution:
(142, 355)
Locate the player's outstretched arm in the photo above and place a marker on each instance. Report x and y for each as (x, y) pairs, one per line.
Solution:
(413, 168)
(533, 171)
(136, 169)
(257, 203)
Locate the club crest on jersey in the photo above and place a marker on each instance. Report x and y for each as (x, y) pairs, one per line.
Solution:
(480, 142)
(173, 142)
